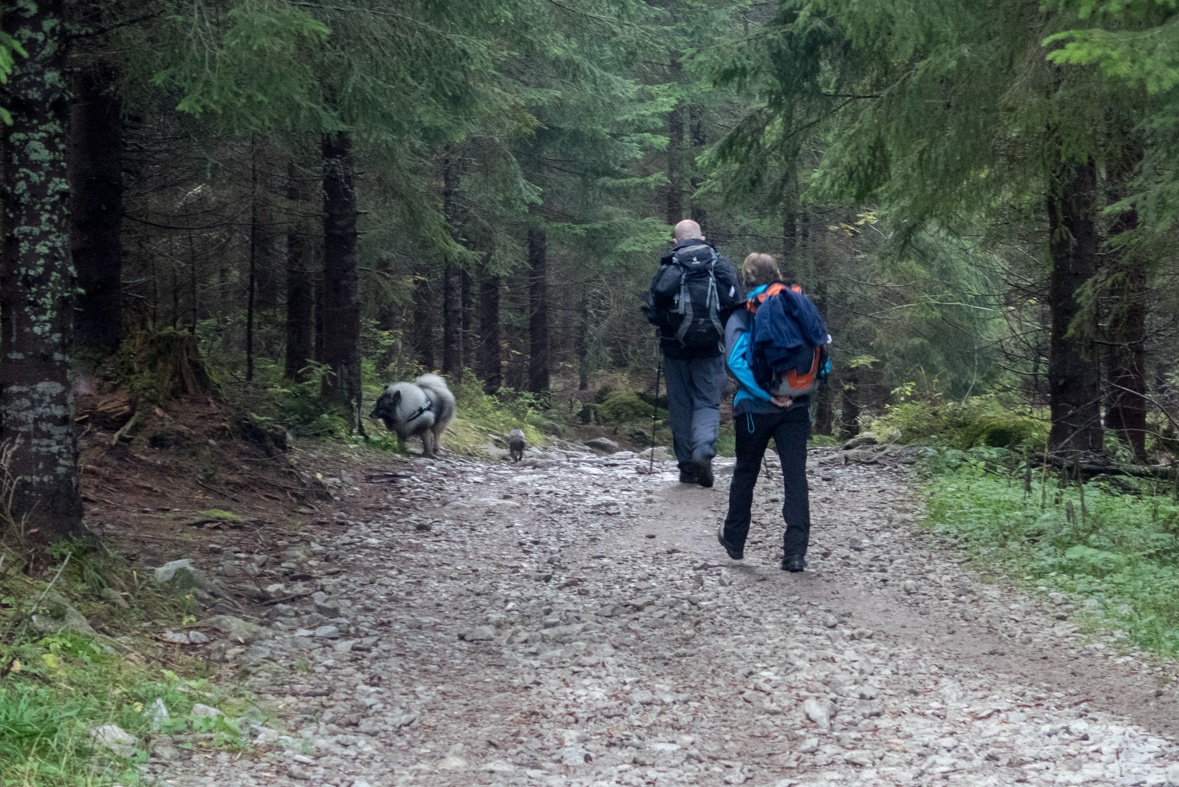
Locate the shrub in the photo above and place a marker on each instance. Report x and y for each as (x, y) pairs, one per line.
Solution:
(977, 421)
(622, 407)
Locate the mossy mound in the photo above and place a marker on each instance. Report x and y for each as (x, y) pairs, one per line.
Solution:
(622, 407)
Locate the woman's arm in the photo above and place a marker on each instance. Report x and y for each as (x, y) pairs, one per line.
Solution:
(740, 368)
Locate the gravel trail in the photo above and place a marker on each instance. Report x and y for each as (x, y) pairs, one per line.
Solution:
(574, 622)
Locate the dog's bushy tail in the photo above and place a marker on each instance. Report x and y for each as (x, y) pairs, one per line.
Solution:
(432, 381)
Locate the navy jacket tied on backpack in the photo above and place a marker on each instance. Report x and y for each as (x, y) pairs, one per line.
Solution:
(786, 331)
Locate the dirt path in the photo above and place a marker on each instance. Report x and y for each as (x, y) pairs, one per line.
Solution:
(576, 623)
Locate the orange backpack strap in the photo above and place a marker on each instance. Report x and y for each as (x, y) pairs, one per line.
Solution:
(773, 289)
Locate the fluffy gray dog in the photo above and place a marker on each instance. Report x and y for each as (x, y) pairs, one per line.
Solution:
(423, 407)
(516, 444)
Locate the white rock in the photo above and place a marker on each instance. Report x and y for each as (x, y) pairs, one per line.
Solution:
(498, 766)
(817, 712)
(478, 634)
(116, 739)
(157, 711)
(205, 712)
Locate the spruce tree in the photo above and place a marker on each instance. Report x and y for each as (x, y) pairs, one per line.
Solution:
(947, 112)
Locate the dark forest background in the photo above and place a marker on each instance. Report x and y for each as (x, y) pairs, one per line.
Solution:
(978, 196)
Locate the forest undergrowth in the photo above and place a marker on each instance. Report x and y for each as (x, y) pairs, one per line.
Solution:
(60, 690)
(1111, 544)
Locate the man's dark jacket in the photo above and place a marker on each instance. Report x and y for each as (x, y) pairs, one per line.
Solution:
(727, 288)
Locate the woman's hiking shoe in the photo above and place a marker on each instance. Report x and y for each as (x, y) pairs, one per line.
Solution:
(735, 554)
(793, 563)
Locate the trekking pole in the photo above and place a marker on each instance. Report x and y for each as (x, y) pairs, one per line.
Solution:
(655, 416)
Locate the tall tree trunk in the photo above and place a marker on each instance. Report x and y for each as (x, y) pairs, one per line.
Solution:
(300, 327)
(850, 404)
(37, 280)
(675, 145)
(1126, 406)
(1074, 381)
(582, 343)
(341, 282)
(468, 312)
(252, 278)
(452, 288)
(423, 322)
(824, 400)
(699, 139)
(790, 235)
(96, 180)
(317, 289)
(538, 312)
(452, 322)
(490, 360)
(193, 277)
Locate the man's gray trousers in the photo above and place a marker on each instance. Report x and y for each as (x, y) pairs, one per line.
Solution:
(693, 396)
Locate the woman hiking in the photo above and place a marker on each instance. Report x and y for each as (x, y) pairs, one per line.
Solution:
(758, 416)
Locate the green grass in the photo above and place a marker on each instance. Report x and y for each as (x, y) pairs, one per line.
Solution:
(55, 688)
(1112, 540)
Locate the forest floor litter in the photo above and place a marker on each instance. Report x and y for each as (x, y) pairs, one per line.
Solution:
(571, 620)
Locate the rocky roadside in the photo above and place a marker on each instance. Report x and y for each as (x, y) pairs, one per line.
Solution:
(573, 622)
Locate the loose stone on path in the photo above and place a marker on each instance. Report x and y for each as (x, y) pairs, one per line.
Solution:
(515, 625)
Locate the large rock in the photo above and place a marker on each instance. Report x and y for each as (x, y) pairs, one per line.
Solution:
(116, 739)
(661, 454)
(236, 629)
(862, 439)
(818, 712)
(56, 615)
(183, 575)
(603, 444)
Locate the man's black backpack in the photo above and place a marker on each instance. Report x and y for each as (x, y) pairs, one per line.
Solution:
(691, 296)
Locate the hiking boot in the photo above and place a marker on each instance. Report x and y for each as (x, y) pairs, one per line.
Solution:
(704, 473)
(688, 476)
(793, 563)
(735, 554)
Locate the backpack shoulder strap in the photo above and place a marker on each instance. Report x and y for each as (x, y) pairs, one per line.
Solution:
(757, 300)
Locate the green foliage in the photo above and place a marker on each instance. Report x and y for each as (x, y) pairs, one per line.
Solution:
(1092, 543)
(621, 407)
(10, 48)
(55, 688)
(726, 440)
(298, 406)
(976, 421)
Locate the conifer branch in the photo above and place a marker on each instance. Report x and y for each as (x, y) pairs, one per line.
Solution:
(91, 33)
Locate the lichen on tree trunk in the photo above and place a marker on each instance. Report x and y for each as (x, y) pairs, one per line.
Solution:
(37, 281)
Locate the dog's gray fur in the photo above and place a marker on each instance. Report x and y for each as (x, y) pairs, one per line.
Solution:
(516, 444)
(399, 402)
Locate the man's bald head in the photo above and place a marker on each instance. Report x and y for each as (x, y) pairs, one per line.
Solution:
(687, 229)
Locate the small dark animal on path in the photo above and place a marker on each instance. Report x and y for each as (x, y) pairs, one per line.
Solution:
(516, 444)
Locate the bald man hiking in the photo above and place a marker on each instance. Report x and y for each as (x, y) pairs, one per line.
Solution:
(691, 298)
